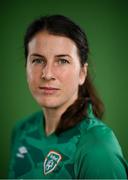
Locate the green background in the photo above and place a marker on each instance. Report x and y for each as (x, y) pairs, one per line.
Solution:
(106, 25)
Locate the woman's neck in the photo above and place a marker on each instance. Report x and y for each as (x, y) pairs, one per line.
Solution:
(52, 118)
(53, 115)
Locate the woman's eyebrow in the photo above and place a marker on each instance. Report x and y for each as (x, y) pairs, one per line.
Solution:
(36, 54)
(58, 55)
(63, 55)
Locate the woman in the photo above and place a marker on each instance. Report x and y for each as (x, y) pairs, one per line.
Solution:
(66, 139)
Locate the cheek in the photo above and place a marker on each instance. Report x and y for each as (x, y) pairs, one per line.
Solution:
(32, 76)
(70, 78)
(29, 76)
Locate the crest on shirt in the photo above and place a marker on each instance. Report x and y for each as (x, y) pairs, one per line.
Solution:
(51, 161)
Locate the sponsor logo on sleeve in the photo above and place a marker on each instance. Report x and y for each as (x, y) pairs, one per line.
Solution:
(21, 152)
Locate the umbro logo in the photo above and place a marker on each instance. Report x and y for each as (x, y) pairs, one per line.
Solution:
(51, 161)
(21, 152)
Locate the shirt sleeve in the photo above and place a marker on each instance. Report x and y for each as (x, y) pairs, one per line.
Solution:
(100, 160)
(13, 142)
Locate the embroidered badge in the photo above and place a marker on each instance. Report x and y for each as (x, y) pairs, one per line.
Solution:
(51, 161)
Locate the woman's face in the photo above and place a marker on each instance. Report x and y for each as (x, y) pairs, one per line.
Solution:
(53, 69)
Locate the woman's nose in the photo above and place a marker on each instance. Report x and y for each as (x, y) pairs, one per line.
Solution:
(47, 72)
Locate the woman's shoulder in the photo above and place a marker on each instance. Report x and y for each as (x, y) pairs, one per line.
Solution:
(97, 135)
(28, 122)
(99, 154)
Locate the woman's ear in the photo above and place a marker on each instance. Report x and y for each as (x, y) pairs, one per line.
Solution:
(83, 73)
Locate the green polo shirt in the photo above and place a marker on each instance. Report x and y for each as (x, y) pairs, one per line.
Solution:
(89, 150)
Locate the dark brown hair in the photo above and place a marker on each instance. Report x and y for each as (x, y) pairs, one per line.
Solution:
(63, 26)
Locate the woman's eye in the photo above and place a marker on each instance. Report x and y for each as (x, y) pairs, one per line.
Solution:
(37, 61)
(63, 61)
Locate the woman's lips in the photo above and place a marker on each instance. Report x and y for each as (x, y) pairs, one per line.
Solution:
(48, 90)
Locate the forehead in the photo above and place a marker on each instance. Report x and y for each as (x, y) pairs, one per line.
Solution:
(48, 43)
